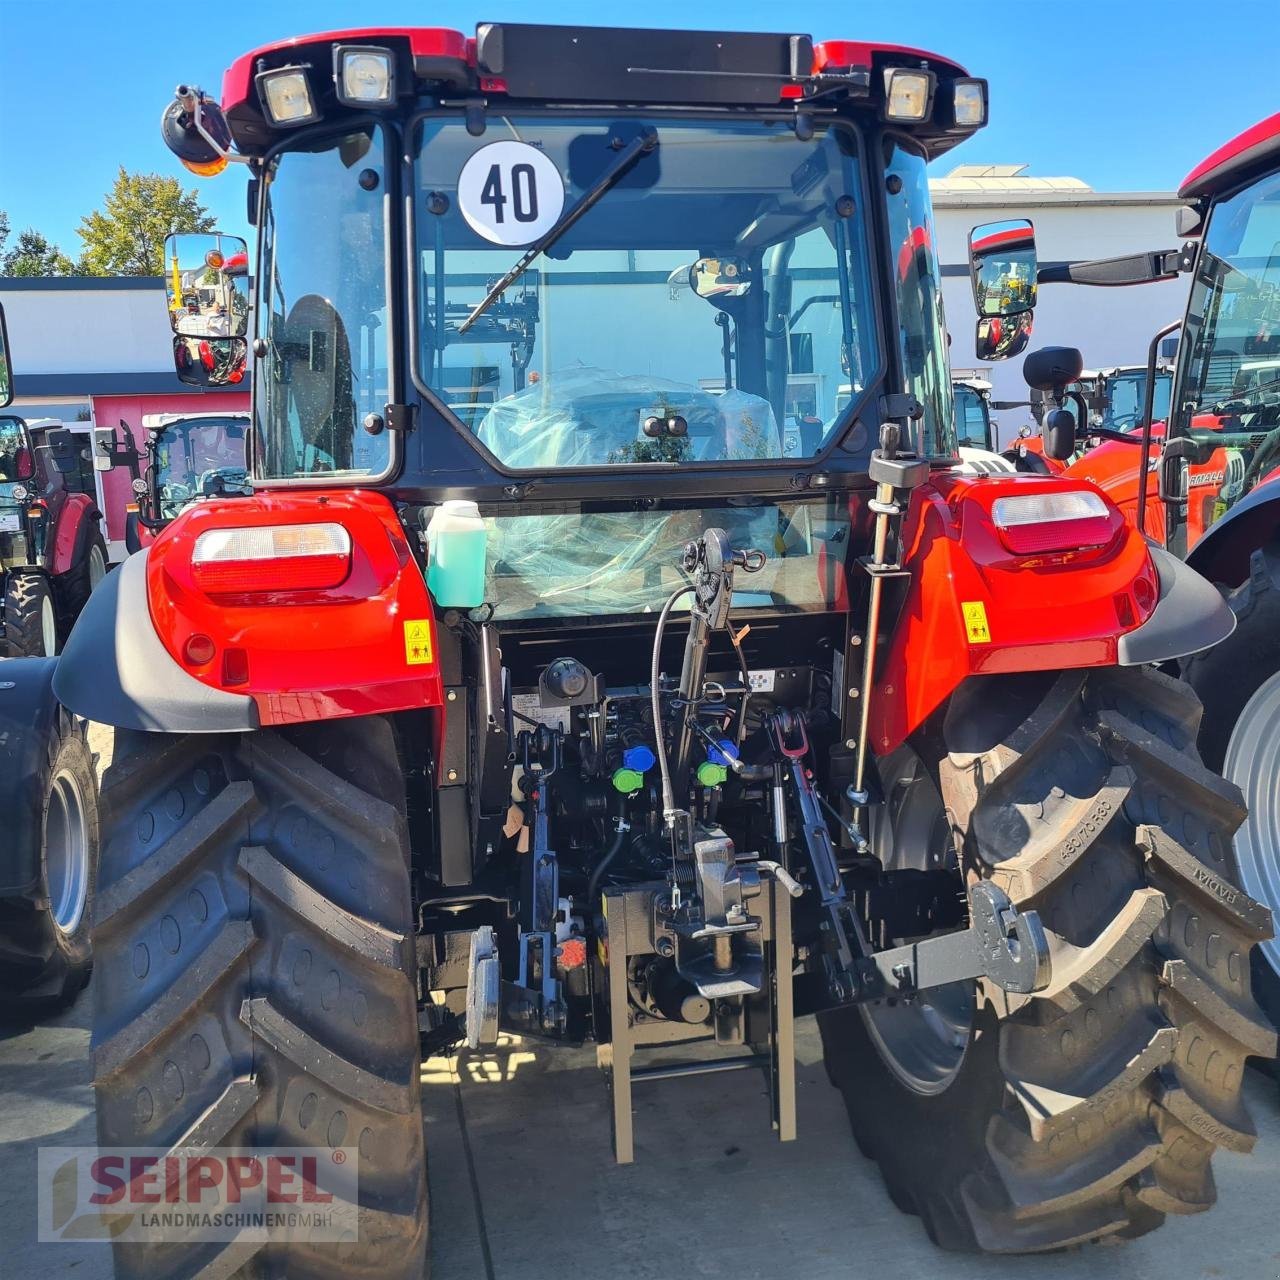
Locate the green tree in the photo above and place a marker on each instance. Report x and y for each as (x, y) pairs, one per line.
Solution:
(126, 237)
(33, 255)
(4, 230)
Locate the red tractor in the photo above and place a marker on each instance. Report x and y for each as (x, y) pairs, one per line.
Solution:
(1204, 481)
(48, 792)
(52, 553)
(188, 457)
(597, 717)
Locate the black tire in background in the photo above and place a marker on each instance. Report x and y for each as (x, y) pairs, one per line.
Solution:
(45, 957)
(73, 588)
(1239, 681)
(30, 617)
(254, 944)
(1092, 1108)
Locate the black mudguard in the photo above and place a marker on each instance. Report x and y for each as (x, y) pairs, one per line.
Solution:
(1190, 616)
(28, 720)
(1223, 554)
(115, 670)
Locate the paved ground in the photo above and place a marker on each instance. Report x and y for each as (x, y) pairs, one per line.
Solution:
(524, 1186)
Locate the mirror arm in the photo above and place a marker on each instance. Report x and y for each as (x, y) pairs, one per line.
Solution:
(1112, 273)
(190, 98)
(1148, 411)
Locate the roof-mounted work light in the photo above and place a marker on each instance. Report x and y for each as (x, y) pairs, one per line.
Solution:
(908, 94)
(365, 76)
(969, 103)
(287, 96)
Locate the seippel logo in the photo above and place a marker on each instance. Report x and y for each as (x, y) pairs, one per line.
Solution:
(154, 1195)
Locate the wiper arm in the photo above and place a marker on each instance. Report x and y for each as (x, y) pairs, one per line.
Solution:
(645, 142)
(1241, 403)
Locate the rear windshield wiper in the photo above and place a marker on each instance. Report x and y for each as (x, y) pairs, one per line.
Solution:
(643, 144)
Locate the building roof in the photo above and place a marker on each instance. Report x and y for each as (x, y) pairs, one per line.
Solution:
(969, 185)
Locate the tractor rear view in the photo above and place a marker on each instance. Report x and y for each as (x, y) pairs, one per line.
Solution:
(601, 715)
(1205, 482)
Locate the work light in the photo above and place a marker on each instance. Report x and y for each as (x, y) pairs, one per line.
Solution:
(969, 103)
(287, 96)
(365, 77)
(18, 493)
(908, 94)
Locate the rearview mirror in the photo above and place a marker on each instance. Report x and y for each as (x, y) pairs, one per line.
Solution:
(1000, 337)
(6, 377)
(210, 362)
(207, 283)
(104, 443)
(719, 277)
(1002, 267)
(1059, 434)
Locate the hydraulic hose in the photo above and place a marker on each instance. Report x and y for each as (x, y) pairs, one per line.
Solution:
(603, 865)
(655, 694)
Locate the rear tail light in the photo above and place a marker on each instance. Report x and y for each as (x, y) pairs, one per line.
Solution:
(274, 557)
(1057, 520)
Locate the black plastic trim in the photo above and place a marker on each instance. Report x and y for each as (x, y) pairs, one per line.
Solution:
(115, 670)
(28, 719)
(1190, 616)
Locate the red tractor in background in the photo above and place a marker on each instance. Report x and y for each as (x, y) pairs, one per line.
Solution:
(1204, 481)
(48, 788)
(189, 457)
(52, 552)
(1113, 400)
(598, 717)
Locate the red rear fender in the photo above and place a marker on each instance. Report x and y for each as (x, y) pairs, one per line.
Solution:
(362, 646)
(975, 608)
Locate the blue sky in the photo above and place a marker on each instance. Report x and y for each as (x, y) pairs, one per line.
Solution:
(1117, 92)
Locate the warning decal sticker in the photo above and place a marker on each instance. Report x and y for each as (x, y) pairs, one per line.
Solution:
(417, 642)
(975, 621)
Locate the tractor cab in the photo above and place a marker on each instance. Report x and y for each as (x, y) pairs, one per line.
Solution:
(187, 457)
(611, 648)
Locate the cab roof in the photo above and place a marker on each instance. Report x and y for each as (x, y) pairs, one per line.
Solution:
(1255, 150)
(632, 66)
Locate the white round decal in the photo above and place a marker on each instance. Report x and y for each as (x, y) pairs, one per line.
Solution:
(510, 193)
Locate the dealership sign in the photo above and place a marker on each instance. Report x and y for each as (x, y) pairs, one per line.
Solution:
(146, 1194)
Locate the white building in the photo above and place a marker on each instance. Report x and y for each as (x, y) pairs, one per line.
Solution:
(1072, 221)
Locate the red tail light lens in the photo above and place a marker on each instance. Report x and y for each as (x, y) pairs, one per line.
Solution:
(1054, 520)
(269, 558)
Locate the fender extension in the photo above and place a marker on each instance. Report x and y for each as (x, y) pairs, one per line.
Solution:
(115, 670)
(28, 719)
(1190, 615)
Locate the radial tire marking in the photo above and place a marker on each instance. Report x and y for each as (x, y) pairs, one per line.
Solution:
(364, 937)
(339, 1073)
(1050, 1110)
(1163, 852)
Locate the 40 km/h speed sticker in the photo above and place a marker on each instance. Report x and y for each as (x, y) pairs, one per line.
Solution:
(510, 193)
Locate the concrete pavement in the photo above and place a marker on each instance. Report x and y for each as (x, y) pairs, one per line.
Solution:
(524, 1187)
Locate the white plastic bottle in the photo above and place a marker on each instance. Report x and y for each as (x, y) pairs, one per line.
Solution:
(456, 538)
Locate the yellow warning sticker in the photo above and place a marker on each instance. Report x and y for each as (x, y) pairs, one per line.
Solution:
(417, 642)
(975, 621)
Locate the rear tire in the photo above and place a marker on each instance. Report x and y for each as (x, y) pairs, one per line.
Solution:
(30, 618)
(73, 588)
(255, 948)
(45, 958)
(1092, 1108)
(1239, 683)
